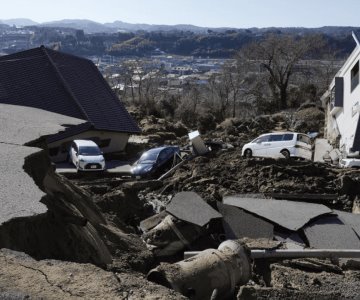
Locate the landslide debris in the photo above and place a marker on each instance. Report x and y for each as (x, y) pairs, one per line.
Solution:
(97, 220)
(227, 173)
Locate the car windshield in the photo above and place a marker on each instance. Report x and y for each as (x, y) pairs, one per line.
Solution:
(148, 157)
(88, 151)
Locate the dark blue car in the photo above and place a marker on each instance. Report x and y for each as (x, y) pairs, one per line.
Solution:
(154, 162)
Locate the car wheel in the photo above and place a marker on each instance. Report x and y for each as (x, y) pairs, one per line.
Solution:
(286, 154)
(248, 153)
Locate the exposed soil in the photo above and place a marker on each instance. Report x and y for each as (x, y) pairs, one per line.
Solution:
(304, 279)
(25, 278)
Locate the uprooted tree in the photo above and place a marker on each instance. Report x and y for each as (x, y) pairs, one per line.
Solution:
(278, 55)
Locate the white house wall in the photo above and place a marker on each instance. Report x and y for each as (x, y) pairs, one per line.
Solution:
(118, 141)
(346, 118)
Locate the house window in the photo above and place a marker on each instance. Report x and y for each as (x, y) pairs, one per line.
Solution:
(355, 76)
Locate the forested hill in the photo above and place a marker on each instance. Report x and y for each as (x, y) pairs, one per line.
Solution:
(84, 37)
(221, 44)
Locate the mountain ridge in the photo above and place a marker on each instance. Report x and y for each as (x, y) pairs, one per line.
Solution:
(90, 26)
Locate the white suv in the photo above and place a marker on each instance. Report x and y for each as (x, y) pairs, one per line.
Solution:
(86, 156)
(279, 144)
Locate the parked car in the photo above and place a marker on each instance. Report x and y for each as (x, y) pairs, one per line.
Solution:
(280, 144)
(86, 156)
(349, 163)
(154, 162)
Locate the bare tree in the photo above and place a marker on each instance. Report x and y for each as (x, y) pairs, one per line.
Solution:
(129, 68)
(220, 90)
(233, 79)
(278, 56)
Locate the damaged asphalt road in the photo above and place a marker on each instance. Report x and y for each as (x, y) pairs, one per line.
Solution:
(20, 126)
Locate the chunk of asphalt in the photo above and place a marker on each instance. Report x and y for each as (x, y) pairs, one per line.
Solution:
(350, 219)
(239, 224)
(329, 232)
(190, 207)
(291, 215)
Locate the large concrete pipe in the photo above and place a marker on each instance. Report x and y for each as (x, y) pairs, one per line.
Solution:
(213, 273)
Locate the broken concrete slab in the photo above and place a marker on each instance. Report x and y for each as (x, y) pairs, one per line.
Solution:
(239, 224)
(329, 232)
(190, 207)
(350, 219)
(288, 214)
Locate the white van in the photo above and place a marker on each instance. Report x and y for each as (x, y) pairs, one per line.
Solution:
(86, 156)
(279, 144)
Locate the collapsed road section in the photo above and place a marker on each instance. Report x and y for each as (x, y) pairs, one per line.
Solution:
(30, 220)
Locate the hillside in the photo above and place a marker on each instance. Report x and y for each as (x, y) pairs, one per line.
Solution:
(122, 39)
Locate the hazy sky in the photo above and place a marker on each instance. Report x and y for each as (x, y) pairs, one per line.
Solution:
(211, 13)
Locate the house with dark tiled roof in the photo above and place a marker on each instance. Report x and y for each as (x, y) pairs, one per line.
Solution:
(68, 85)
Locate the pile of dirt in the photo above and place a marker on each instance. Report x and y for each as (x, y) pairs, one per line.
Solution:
(227, 173)
(161, 130)
(309, 118)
